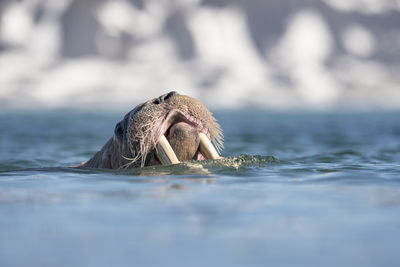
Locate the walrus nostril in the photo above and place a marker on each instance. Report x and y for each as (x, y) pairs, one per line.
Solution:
(164, 98)
(167, 96)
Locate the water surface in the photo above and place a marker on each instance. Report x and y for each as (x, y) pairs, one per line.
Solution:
(294, 190)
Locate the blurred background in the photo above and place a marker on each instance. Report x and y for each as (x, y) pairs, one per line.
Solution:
(269, 54)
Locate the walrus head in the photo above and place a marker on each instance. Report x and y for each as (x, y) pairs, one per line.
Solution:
(164, 130)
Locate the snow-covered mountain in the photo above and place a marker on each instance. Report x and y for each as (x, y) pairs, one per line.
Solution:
(273, 54)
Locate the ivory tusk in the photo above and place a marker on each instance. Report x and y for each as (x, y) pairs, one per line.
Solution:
(165, 153)
(206, 148)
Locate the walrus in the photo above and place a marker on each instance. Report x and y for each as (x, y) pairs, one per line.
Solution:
(166, 130)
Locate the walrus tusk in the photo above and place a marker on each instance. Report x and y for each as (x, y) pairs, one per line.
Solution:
(206, 148)
(165, 153)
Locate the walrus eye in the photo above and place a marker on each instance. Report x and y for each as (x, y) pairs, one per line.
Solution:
(156, 101)
(119, 131)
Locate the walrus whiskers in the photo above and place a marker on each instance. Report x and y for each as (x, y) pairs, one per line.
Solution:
(206, 148)
(130, 163)
(218, 140)
(145, 141)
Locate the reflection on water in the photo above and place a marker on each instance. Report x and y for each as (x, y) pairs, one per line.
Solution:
(329, 195)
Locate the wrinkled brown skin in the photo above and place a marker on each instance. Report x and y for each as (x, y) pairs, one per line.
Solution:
(184, 140)
(133, 143)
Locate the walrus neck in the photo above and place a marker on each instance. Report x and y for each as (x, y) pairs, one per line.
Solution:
(107, 158)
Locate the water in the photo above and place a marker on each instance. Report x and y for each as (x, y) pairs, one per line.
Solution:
(294, 190)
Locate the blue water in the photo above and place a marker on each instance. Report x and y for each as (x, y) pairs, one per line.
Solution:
(300, 189)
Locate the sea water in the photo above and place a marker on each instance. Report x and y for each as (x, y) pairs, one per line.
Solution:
(293, 189)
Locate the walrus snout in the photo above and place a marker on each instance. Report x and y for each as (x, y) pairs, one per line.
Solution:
(186, 136)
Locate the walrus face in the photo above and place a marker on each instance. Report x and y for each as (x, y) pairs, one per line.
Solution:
(164, 130)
